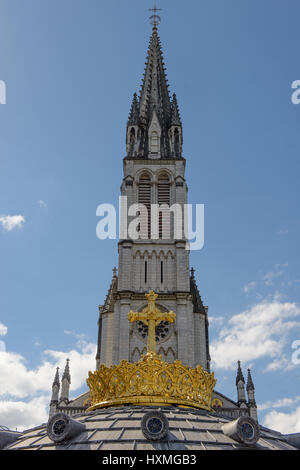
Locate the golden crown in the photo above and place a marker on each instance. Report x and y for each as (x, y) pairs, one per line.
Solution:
(151, 380)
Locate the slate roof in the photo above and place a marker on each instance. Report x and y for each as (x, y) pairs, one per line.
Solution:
(120, 429)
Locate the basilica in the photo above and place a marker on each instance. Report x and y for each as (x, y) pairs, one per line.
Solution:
(153, 387)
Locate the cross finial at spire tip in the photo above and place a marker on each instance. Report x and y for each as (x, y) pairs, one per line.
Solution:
(155, 19)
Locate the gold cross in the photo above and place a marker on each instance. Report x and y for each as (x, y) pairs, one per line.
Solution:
(151, 316)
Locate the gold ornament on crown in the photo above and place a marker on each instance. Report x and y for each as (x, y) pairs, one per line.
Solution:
(151, 316)
(151, 380)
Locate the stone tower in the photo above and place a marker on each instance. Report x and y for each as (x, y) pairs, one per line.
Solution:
(154, 257)
(153, 174)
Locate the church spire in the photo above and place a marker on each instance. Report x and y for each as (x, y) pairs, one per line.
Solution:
(154, 125)
(154, 93)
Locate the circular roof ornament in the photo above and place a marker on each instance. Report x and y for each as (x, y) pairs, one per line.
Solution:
(155, 426)
(57, 427)
(61, 427)
(244, 430)
(248, 430)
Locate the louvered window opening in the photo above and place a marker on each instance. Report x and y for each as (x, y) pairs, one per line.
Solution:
(163, 197)
(145, 199)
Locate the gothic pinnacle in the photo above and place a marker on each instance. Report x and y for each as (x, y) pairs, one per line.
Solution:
(66, 374)
(56, 378)
(134, 111)
(250, 384)
(239, 375)
(175, 119)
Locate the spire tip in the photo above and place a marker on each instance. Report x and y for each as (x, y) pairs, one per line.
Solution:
(155, 19)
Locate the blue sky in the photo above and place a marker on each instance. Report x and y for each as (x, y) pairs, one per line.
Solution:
(70, 69)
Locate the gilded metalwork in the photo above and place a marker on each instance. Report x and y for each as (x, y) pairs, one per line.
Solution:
(151, 316)
(217, 403)
(151, 380)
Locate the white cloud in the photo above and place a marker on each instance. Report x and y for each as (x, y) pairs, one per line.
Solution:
(3, 332)
(25, 393)
(9, 222)
(280, 265)
(42, 204)
(79, 336)
(216, 320)
(258, 332)
(3, 329)
(287, 423)
(282, 403)
(282, 362)
(22, 415)
(270, 276)
(25, 382)
(275, 274)
(249, 286)
(81, 362)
